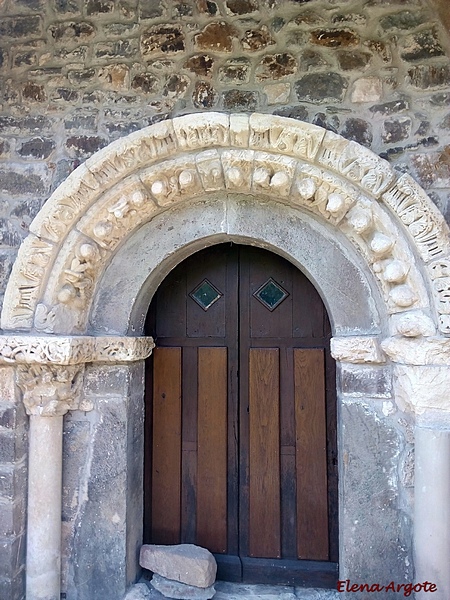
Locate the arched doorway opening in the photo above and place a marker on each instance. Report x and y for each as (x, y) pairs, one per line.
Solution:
(241, 451)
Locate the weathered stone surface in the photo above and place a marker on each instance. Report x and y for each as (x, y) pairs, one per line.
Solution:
(184, 563)
(241, 7)
(404, 19)
(235, 71)
(433, 168)
(240, 100)
(34, 92)
(70, 30)
(352, 60)
(334, 38)
(176, 589)
(277, 93)
(321, 87)
(389, 108)
(204, 95)
(429, 76)
(357, 350)
(140, 591)
(200, 64)
(367, 89)
(146, 83)
(422, 45)
(257, 39)
(276, 66)
(293, 112)
(396, 130)
(162, 39)
(358, 130)
(365, 381)
(37, 148)
(20, 26)
(216, 36)
(95, 7)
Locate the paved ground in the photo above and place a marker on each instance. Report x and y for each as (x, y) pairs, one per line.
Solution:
(235, 591)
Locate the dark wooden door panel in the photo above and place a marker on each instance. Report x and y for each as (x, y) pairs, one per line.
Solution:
(212, 449)
(264, 463)
(312, 498)
(166, 470)
(243, 449)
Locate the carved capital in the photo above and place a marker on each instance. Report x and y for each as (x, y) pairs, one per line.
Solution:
(51, 391)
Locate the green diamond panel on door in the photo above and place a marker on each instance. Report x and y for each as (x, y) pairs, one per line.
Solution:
(241, 418)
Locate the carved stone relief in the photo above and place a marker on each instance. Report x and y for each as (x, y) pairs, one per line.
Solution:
(130, 181)
(51, 391)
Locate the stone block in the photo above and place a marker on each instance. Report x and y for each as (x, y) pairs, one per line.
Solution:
(83, 146)
(358, 130)
(334, 38)
(423, 45)
(13, 445)
(185, 563)
(429, 76)
(162, 39)
(204, 95)
(389, 108)
(13, 481)
(39, 148)
(66, 6)
(255, 40)
(19, 183)
(276, 66)
(20, 27)
(12, 517)
(352, 60)
(321, 87)
(12, 555)
(13, 587)
(182, 591)
(367, 89)
(95, 7)
(277, 93)
(116, 49)
(241, 7)
(365, 381)
(235, 71)
(216, 37)
(70, 31)
(404, 19)
(293, 112)
(240, 100)
(396, 130)
(145, 83)
(200, 64)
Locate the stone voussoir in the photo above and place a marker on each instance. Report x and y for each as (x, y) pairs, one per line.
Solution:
(185, 563)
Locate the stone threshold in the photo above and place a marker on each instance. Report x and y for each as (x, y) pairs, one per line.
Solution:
(238, 591)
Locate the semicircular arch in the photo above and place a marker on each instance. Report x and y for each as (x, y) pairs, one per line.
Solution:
(387, 217)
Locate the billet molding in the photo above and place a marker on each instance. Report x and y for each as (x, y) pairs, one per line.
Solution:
(387, 217)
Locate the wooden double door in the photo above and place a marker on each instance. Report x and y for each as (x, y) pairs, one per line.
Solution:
(241, 418)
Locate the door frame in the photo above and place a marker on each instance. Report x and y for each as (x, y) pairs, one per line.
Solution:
(234, 567)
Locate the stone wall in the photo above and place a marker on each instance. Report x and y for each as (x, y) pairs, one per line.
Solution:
(77, 74)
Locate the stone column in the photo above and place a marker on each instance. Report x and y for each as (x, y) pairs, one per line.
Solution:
(48, 393)
(422, 377)
(432, 509)
(49, 373)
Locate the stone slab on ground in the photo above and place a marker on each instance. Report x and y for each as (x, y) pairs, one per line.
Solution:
(181, 591)
(140, 591)
(239, 591)
(186, 563)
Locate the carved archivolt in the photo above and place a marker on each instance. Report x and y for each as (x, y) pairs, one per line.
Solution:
(390, 220)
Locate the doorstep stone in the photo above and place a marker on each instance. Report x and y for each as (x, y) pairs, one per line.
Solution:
(185, 563)
(176, 589)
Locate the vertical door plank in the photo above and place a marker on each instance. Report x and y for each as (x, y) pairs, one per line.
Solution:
(311, 454)
(212, 449)
(189, 445)
(264, 522)
(287, 456)
(166, 446)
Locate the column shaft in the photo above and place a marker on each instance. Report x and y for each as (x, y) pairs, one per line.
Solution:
(432, 511)
(43, 578)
